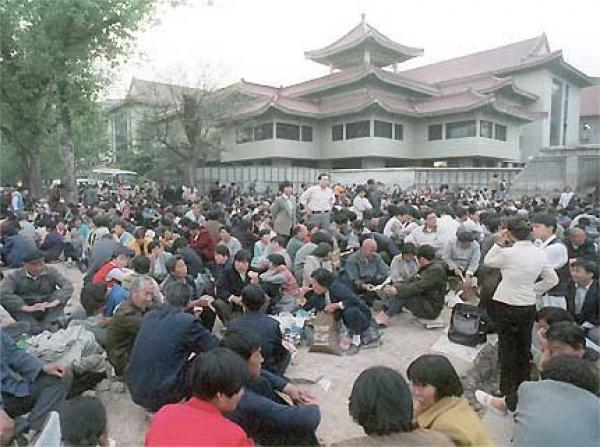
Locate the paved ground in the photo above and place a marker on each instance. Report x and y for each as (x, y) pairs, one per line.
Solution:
(403, 341)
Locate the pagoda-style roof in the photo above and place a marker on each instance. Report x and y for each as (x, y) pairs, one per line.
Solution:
(363, 44)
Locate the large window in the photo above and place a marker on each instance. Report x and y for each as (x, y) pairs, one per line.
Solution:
(243, 135)
(435, 132)
(398, 132)
(337, 132)
(383, 129)
(307, 133)
(461, 129)
(358, 129)
(500, 132)
(286, 131)
(263, 132)
(486, 129)
(556, 112)
(565, 116)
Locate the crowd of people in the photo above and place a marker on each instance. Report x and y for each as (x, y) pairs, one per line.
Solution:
(180, 290)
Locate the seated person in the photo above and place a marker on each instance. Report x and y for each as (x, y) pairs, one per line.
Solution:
(276, 357)
(126, 322)
(545, 317)
(320, 258)
(93, 299)
(438, 402)
(381, 403)
(15, 246)
(276, 247)
(579, 245)
(140, 266)
(158, 260)
(193, 261)
(260, 246)
(280, 285)
(332, 296)
(115, 270)
(404, 266)
(157, 370)
(177, 273)
(306, 250)
(230, 241)
(424, 296)
(83, 422)
(202, 242)
(217, 379)
(261, 412)
(28, 386)
(36, 294)
(583, 297)
(234, 278)
(561, 409)
(400, 224)
(52, 246)
(299, 234)
(462, 255)
(365, 269)
(73, 246)
(222, 260)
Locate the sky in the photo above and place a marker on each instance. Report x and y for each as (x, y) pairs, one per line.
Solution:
(264, 41)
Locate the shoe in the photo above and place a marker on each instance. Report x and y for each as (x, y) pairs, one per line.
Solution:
(352, 350)
(485, 399)
(370, 336)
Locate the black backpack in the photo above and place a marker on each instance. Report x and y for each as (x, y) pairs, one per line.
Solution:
(467, 325)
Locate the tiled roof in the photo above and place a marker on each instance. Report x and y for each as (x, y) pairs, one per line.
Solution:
(488, 61)
(257, 89)
(356, 36)
(156, 92)
(590, 101)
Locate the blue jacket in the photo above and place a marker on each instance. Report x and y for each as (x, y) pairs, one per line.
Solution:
(269, 422)
(337, 292)
(18, 369)
(14, 249)
(269, 332)
(160, 353)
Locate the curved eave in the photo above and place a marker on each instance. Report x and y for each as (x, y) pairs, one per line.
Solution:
(408, 85)
(323, 54)
(513, 113)
(516, 90)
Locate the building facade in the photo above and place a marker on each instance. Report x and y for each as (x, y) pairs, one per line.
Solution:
(492, 109)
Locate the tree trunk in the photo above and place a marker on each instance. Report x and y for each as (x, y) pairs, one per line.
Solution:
(192, 169)
(33, 180)
(66, 151)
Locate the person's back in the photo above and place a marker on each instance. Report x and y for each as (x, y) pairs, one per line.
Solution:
(15, 247)
(163, 345)
(552, 413)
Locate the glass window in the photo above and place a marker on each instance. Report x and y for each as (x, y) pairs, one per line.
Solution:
(486, 129)
(461, 129)
(358, 129)
(398, 132)
(565, 116)
(286, 131)
(121, 139)
(435, 132)
(500, 133)
(243, 135)
(263, 132)
(556, 112)
(383, 129)
(337, 132)
(307, 133)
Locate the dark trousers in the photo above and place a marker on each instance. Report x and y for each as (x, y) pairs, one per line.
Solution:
(419, 307)
(50, 319)
(355, 320)
(515, 326)
(47, 393)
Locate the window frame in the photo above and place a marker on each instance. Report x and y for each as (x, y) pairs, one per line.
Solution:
(383, 125)
(259, 128)
(303, 136)
(505, 130)
(491, 124)
(396, 127)
(290, 127)
(337, 127)
(454, 126)
(431, 137)
(359, 126)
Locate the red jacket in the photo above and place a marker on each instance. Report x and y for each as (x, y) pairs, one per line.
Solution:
(204, 245)
(194, 422)
(100, 275)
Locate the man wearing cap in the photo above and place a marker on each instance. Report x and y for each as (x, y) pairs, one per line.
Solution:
(424, 296)
(36, 294)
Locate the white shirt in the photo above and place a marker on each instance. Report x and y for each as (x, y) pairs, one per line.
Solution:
(395, 228)
(361, 204)
(557, 252)
(422, 236)
(521, 266)
(316, 198)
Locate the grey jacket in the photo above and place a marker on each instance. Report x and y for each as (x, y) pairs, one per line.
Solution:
(19, 289)
(467, 259)
(360, 270)
(284, 217)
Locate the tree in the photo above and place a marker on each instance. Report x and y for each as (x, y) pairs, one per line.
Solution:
(184, 123)
(55, 56)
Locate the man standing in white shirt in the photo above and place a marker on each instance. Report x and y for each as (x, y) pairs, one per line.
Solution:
(318, 201)
(515, 298)
(543, 229)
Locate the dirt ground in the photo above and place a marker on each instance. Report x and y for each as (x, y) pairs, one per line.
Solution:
(403, 341)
